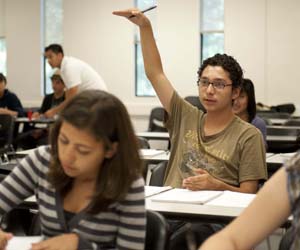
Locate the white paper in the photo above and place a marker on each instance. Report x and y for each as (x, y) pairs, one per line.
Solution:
(232, 199)
(22, 242)
(151, 152)
(180, 195)
(152, 190)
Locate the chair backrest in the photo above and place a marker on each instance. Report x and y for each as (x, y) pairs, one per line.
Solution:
(156, 120)
(157, 232)
(286, 240)
(194, 100)
(7, 124)
(283, 147)
(293, 122)
(143, 142)
(158, 174)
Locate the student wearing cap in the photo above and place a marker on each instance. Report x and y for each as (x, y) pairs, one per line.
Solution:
(77, 75)
(9, 102)
(34, 137)
(54, 99)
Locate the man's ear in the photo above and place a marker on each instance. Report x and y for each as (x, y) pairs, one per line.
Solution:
(112, 151)
(236, 93)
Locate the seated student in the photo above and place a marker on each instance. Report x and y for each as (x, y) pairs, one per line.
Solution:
(210, 151)
(245, 107)
(9, 102)
(54, 99)
(88, 183)
(277, 199)
(33, 137)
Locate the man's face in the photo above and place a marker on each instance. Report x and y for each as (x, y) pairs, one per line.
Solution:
(215, 99)
(54, 59)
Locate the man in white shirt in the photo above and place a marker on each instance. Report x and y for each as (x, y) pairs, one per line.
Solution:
(77, 75)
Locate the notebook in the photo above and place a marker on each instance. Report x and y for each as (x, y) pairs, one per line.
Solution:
(179, 195)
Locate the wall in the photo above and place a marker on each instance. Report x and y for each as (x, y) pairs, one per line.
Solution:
(24, 52)
(265, 40)
(261, 34)
(2, 19)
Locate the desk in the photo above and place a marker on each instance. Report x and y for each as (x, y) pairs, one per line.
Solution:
(35, 121)
(154, 135)
(278, 121)
(282, 138)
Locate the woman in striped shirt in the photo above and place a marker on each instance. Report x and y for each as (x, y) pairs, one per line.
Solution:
(88, 183)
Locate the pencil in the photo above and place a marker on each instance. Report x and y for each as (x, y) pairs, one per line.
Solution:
(145, 10)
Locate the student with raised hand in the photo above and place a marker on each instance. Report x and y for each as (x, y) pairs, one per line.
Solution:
(223, 151)
(210, 151)
(76, 74)
(277, 199)
(88, 183)
(245, 107)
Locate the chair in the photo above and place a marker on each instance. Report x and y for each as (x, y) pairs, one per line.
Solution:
(286, 240)
(143, 142)
(283, 147)
(156, 120)
(7, 125)
(157, 232)
(293, 122)
(194, 100)
(158, 174)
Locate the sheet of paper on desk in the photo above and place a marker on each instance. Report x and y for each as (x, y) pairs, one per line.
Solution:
(152, 190)
(151, 152)
(179, 195)
(22, 242)
(232, 199)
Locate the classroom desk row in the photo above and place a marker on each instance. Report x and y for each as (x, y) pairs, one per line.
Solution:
(270, 138)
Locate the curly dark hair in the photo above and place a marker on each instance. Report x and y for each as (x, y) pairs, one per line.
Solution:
(229, 64)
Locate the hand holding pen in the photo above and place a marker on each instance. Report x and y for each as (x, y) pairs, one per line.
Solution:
(134, 15)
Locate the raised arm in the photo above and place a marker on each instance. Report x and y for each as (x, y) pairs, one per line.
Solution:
(152, 61)
(269, 210)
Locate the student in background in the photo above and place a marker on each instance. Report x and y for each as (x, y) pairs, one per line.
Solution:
(77, 75)
(32, 136)
(245, 107)
(278, 198)
(9, 102)
(210, 151)
(54, 99)
(88, 184)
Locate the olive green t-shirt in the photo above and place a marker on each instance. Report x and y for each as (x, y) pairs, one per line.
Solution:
(234, 155)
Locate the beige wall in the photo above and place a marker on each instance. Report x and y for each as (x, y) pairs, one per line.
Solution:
(2, 19)
(262, 34)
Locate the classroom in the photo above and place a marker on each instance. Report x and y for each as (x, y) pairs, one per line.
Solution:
(262, 35)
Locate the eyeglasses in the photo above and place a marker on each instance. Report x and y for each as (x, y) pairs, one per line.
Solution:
(217, 84)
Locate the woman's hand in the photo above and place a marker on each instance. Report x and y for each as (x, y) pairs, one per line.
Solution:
(134, 15)
(4, 238)
(62, 242)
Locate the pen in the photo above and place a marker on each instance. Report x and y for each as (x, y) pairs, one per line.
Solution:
(145, 10)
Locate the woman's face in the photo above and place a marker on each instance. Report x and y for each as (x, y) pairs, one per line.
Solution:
(240, 104)
(81, 156)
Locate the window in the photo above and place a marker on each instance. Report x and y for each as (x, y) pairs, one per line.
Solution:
(212, 28)
(2, 56)
(53, 33)
(142, 85)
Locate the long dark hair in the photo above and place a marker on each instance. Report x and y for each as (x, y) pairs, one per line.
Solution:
(248, 88)
(105, 117)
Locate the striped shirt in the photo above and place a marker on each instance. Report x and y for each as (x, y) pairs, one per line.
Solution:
(121, 227)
